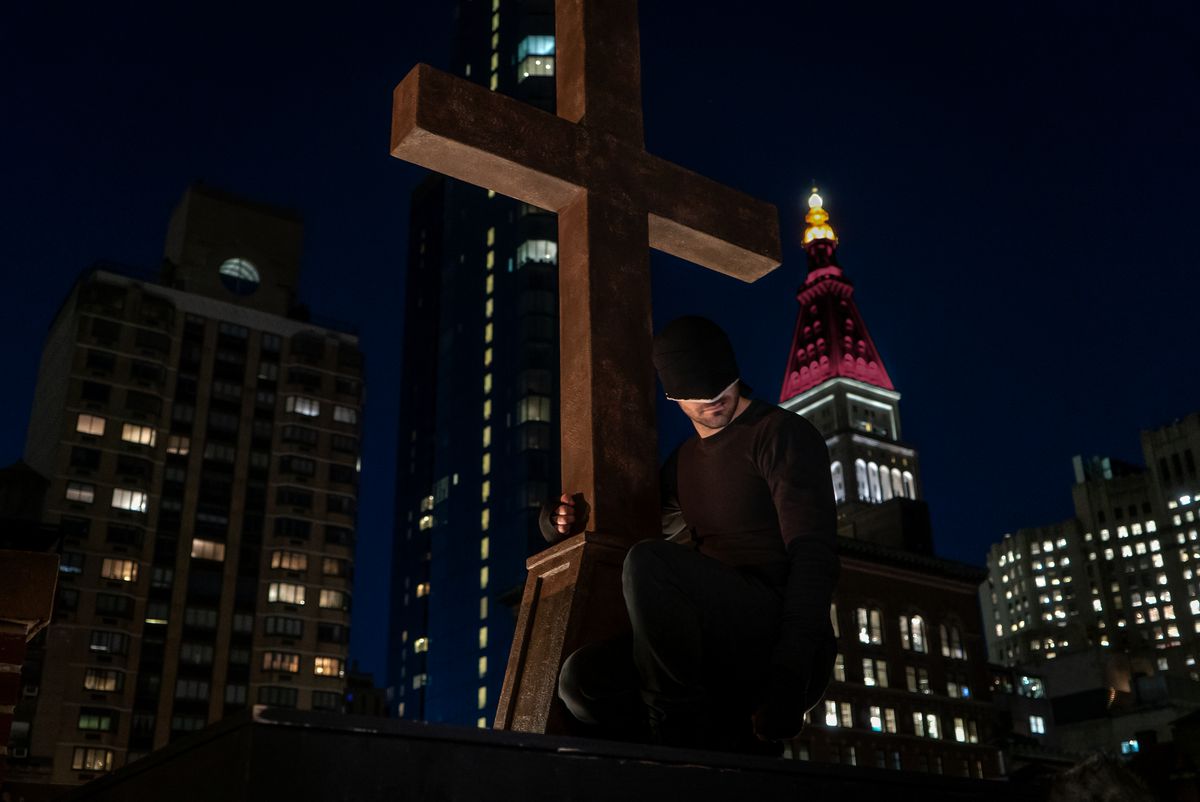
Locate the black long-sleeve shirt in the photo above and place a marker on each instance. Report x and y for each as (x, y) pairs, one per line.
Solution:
(757, 495)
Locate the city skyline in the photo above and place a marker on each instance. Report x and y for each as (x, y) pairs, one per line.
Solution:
(973, 179)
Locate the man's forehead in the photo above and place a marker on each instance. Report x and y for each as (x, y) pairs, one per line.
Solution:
(708, 400)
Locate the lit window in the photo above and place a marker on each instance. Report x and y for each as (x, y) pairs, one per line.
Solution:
(103, 680)
(483, 607)
(533, 408)
(482, 666)
(491, 236)
(208, 550)
(120, 570)
(483, 637)
(485, 518)
(481, 697)
(88, 758)
(486, 464)
(345, 414)
(281, 661)
(485, 491)
(870, 627)
(133, 500)
(285, 593)
(287, 560)
(889, 719)
(876, 719)
(912, 633)
(831, 713)
(484, 546)
(96, 720)
(543, 251)
(178, 444)
(483, 578)
(487, 409)
(334, 600)
(487, 435)
(141, 435)
(302, 405)
(487, 333)
(1037, 725)
(330, 666)
(90, 424)
(1129, 747)
(960, 730)
(426, 522)
(422, 589)
(82, 492)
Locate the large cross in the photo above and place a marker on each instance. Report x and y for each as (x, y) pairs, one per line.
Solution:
(614, 200)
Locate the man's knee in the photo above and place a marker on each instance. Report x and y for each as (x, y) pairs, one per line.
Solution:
(571, 686)
(644, 564)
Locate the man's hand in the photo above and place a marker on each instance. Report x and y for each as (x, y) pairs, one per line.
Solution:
(565, 514)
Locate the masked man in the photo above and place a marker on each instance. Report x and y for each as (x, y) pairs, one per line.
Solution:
(731, 640)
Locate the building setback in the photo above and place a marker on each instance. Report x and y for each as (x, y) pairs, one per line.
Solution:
(478, 431)
(911, 688)
(200, 436)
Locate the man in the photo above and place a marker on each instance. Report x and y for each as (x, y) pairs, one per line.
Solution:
(730, 636)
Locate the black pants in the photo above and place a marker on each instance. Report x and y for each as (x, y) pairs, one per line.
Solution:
(691, 670)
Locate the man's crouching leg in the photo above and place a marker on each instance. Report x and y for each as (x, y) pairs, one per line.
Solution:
(600, 687)
(667, 639)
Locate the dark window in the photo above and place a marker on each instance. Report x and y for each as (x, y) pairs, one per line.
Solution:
(339, 535)
(87, 459)
(67, 599)
(109, 604)
(305, 378)
(342, 474)
(293, 527)
(333, 633)
(1177, 464)
(326, 700)
(105, 642)
(146, 372)
(298, 465)
(124, 535)
(343, 442)
(284, 627)
(95, 391)
(277, 697)
(308, 347)
(143, 402)
(70, 562)
(293, 497)
(153, 341)
(1162, 468)
(134, 466)
(1191, 462)
(342, 505)
(105, 331)
(300, 434)
(101, 361)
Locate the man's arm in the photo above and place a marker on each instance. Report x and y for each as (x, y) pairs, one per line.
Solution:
(795, 463)
(673, 526)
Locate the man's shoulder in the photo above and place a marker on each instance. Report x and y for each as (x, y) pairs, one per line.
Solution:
(776, 422)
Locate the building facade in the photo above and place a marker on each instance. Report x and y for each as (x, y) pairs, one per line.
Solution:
(478, 432)
(1121, 574)
(200, 436)
(911, 688)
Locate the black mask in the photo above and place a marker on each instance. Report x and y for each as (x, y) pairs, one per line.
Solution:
(694, 359)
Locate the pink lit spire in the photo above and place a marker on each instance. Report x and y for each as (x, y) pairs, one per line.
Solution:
(831, 339)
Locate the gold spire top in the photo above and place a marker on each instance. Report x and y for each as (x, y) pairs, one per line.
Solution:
(818, 220)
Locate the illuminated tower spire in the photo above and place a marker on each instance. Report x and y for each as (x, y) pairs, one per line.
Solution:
(831, 340)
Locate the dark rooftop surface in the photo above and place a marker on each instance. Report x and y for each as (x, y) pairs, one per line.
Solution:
(289, 755)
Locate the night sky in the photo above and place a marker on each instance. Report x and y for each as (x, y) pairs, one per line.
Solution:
(1015, 190)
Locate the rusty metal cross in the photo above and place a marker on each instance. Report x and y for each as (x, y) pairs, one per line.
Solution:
(614, 201)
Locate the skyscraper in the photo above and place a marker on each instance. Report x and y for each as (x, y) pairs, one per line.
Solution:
(911, 680)
(478, 433)
(1120, 574)
(200, 435)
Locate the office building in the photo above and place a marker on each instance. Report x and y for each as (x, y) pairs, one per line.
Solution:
(200, 438)
(478, 432)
